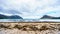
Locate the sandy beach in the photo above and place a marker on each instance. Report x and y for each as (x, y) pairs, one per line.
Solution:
(29, 28)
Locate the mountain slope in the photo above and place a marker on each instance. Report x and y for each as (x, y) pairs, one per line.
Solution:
(10, 17)
(15, 17)
(49, 17)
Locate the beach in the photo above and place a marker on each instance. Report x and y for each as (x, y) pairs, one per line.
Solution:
(29, 28)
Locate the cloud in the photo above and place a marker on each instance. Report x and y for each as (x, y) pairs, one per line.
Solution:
(30, 8)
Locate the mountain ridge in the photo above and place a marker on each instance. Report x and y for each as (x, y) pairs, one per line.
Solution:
(10, 17)
(49, 17)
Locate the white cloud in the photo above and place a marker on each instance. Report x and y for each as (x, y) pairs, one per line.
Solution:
(30, 8)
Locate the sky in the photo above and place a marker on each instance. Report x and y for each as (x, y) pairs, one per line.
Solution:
(30, 9)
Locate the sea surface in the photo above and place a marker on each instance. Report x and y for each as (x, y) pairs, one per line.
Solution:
(29, 20)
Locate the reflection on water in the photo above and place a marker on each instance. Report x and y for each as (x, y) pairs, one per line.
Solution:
(29, 20)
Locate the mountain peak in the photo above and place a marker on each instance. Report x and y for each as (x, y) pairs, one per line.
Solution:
(49, 17)
(10, 17)
(15, 17)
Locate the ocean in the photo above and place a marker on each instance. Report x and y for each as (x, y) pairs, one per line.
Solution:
(29, 20)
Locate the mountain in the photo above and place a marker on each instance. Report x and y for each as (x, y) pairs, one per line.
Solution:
(49, 17)
(3, 16)
(15, 17)
(10, 17)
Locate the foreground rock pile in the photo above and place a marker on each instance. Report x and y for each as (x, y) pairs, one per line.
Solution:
(29, 28)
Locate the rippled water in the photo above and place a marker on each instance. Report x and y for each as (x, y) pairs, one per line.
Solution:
(29, 20)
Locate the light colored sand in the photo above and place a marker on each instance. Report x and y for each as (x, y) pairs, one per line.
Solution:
(15, 31)
(30, 28)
